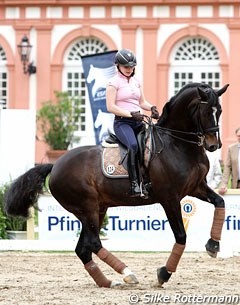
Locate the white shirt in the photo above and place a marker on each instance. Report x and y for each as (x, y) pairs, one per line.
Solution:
(214, 175)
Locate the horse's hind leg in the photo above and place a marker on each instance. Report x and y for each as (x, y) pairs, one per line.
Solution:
(117, 265)
(84, 252)
(89, 242)
(113, 261)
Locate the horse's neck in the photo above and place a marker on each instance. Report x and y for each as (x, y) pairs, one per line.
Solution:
(180, 123)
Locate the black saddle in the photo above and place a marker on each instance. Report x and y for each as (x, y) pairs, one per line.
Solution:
(141, 138)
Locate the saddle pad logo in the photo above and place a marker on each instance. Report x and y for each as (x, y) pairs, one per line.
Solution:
(110, 163)
(188, 210)
(110, 169)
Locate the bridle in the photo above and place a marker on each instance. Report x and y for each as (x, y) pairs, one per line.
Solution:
(213, 129)
(181, 135)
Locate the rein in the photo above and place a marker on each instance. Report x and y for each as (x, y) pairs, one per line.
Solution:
(169, 132)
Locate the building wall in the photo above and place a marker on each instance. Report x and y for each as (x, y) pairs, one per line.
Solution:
(151, 29)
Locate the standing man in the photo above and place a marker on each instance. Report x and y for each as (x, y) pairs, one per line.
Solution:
(214, 175)
(231, 166)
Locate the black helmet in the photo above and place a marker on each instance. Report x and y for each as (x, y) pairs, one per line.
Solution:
(125, 58)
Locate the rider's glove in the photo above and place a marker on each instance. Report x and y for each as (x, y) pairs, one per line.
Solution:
(155, 113)
(137, 116)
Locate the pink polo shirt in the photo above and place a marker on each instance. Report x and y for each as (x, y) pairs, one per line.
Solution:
(128, 91)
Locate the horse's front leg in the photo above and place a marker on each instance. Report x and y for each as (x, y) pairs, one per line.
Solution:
(212, 246)
(174, 215)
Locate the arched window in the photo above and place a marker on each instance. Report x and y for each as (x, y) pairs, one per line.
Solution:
(3, 79)
(196, 49)
(74, 82)
(194, 60)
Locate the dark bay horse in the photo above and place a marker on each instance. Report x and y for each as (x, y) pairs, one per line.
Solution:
(178, 167)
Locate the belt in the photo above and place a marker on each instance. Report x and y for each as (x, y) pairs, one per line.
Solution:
(117, 117)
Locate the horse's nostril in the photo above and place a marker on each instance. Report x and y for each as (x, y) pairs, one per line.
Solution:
(213, 148)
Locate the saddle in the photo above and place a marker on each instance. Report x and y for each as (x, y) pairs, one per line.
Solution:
(114, 154)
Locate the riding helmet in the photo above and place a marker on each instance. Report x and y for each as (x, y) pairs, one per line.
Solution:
(125, 58)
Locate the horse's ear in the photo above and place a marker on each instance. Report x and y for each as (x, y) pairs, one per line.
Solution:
(203, 94)
(221, 91)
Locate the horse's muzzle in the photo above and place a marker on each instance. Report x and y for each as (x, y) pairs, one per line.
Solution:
(212, 148)
(212, 142)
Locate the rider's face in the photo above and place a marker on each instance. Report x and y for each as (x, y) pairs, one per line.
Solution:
(127, 71)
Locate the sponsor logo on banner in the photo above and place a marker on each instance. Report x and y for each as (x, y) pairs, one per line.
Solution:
(188, 210)
(98, 69)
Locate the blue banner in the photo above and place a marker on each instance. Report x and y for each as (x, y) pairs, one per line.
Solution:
(98, 69)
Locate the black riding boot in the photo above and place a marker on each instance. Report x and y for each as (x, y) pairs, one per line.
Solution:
(135, 190)
(133, 172)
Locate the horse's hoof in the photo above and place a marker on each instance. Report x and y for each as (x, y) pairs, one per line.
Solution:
(212, 254)
(163, 275)
(116, 284)
(131, 279)
(212, 247)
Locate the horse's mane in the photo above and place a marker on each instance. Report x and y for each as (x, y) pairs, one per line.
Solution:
(169, 104)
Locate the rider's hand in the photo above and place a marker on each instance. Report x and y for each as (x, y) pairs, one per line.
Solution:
(222, 190)
(155, 113)
(137, 116)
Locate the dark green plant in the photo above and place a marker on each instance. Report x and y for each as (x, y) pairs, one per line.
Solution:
(104, 224)
(3, 232)
(8, 223)
(57, 121)
(3, 226)
(16, 224)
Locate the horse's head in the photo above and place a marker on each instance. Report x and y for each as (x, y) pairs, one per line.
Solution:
(206, 111)
(192, 113)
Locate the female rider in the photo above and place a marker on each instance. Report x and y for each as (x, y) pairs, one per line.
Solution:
(125, 99)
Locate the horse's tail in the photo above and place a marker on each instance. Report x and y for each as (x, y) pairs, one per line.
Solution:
(24, 191)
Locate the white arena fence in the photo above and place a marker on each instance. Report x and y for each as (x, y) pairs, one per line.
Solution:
(141, 228)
